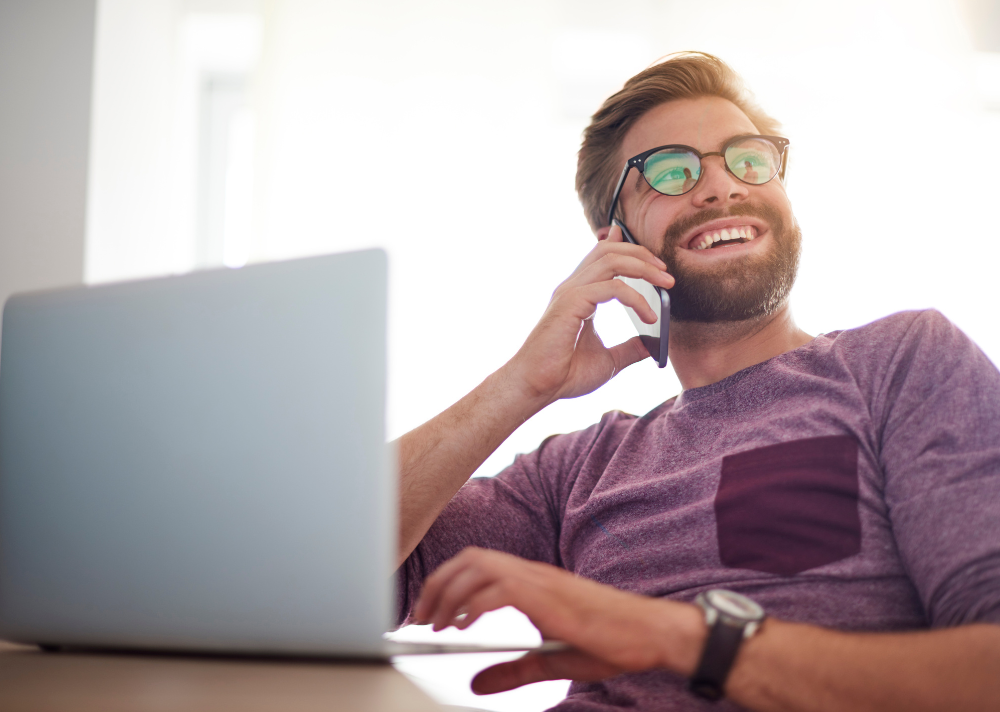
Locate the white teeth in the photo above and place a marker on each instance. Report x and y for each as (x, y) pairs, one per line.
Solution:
(745, 232)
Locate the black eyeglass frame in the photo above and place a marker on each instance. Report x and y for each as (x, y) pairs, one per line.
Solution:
(639, 163)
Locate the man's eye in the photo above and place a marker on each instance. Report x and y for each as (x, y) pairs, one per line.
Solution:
(667, 180)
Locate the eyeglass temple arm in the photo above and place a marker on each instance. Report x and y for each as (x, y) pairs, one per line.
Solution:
(618, 190)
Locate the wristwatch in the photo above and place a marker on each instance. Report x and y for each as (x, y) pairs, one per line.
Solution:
(731, 618)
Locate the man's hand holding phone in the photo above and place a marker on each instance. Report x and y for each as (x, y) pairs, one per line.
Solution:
(563, 357)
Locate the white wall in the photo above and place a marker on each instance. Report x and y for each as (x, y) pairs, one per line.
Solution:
(151, 58)
(135, 218)
(46, 51)
(369, 115)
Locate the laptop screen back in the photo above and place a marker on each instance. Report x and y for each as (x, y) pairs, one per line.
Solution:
(199, 462)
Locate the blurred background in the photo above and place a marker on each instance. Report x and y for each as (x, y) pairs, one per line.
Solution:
(162, 136)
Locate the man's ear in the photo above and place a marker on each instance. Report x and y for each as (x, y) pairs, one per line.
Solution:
(602, 233)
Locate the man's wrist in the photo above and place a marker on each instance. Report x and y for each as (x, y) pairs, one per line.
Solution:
(515, 390)
(731, 618)
(682, 633)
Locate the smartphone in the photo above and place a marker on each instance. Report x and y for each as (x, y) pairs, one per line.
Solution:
(654, 336)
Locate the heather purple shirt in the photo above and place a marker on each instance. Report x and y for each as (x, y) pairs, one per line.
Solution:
(852, 483)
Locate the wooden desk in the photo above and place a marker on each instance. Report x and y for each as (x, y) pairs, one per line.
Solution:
(77, 682)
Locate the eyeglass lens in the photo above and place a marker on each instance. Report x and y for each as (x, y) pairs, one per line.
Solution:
(674, 171)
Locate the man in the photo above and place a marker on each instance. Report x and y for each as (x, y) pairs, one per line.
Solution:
(847, 484)
(689, 181)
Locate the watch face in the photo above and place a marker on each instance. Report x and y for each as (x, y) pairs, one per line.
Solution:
(735, 605)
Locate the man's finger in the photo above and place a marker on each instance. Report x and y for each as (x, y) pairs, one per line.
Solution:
(456, 595)
(488, 598)
(582, 301)
(538, 667)
(436, 583)
(618, 247)
(455, 582)
(615, 265)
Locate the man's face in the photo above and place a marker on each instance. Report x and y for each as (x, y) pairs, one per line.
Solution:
(730, 282)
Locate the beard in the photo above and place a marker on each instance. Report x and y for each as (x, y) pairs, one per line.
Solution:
(745, 287)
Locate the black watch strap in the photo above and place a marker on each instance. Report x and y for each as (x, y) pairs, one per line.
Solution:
(717, 658)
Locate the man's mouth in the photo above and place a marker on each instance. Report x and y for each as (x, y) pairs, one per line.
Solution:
(734, 235)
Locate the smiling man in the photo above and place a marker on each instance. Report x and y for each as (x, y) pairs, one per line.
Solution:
(811, 524)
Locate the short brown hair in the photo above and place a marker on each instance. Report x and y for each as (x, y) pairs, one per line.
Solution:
(683, 75)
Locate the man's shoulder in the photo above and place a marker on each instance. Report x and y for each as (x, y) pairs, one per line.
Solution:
(884, 339)
(921, 348)
(895, 327)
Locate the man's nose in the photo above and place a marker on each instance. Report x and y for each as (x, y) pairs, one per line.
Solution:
(717, 185)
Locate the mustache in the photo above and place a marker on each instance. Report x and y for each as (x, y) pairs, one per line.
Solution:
(677, 230)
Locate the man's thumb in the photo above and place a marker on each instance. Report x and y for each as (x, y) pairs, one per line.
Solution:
(627, 353)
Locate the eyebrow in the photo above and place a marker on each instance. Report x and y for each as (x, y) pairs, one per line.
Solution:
(723, 143)
(739, 135)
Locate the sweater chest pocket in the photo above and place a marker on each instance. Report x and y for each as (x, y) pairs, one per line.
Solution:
(786, 508)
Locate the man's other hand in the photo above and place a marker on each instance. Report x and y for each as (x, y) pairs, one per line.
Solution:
(610, 630)
(563, 357)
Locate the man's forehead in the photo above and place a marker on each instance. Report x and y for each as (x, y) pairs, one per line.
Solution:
(704, 123)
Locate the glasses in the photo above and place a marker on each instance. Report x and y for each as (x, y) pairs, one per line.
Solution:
(676, 169)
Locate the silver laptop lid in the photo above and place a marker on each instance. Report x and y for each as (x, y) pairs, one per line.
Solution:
(199, 462)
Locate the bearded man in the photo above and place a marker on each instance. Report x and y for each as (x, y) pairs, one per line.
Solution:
(811, 524)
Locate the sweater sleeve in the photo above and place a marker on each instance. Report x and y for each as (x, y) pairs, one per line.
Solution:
(518, 512)
(939, 412)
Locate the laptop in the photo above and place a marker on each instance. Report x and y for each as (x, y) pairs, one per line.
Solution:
(198, 464)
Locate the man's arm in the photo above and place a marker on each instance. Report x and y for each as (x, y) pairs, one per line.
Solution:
(786, 666)
(803, 667)
(437, 458)
(562, 358)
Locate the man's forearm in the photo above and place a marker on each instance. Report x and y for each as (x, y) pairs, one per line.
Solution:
(438, 457)
(562, 358)
(790, 666)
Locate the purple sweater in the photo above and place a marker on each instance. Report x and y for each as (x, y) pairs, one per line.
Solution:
(852, 483)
